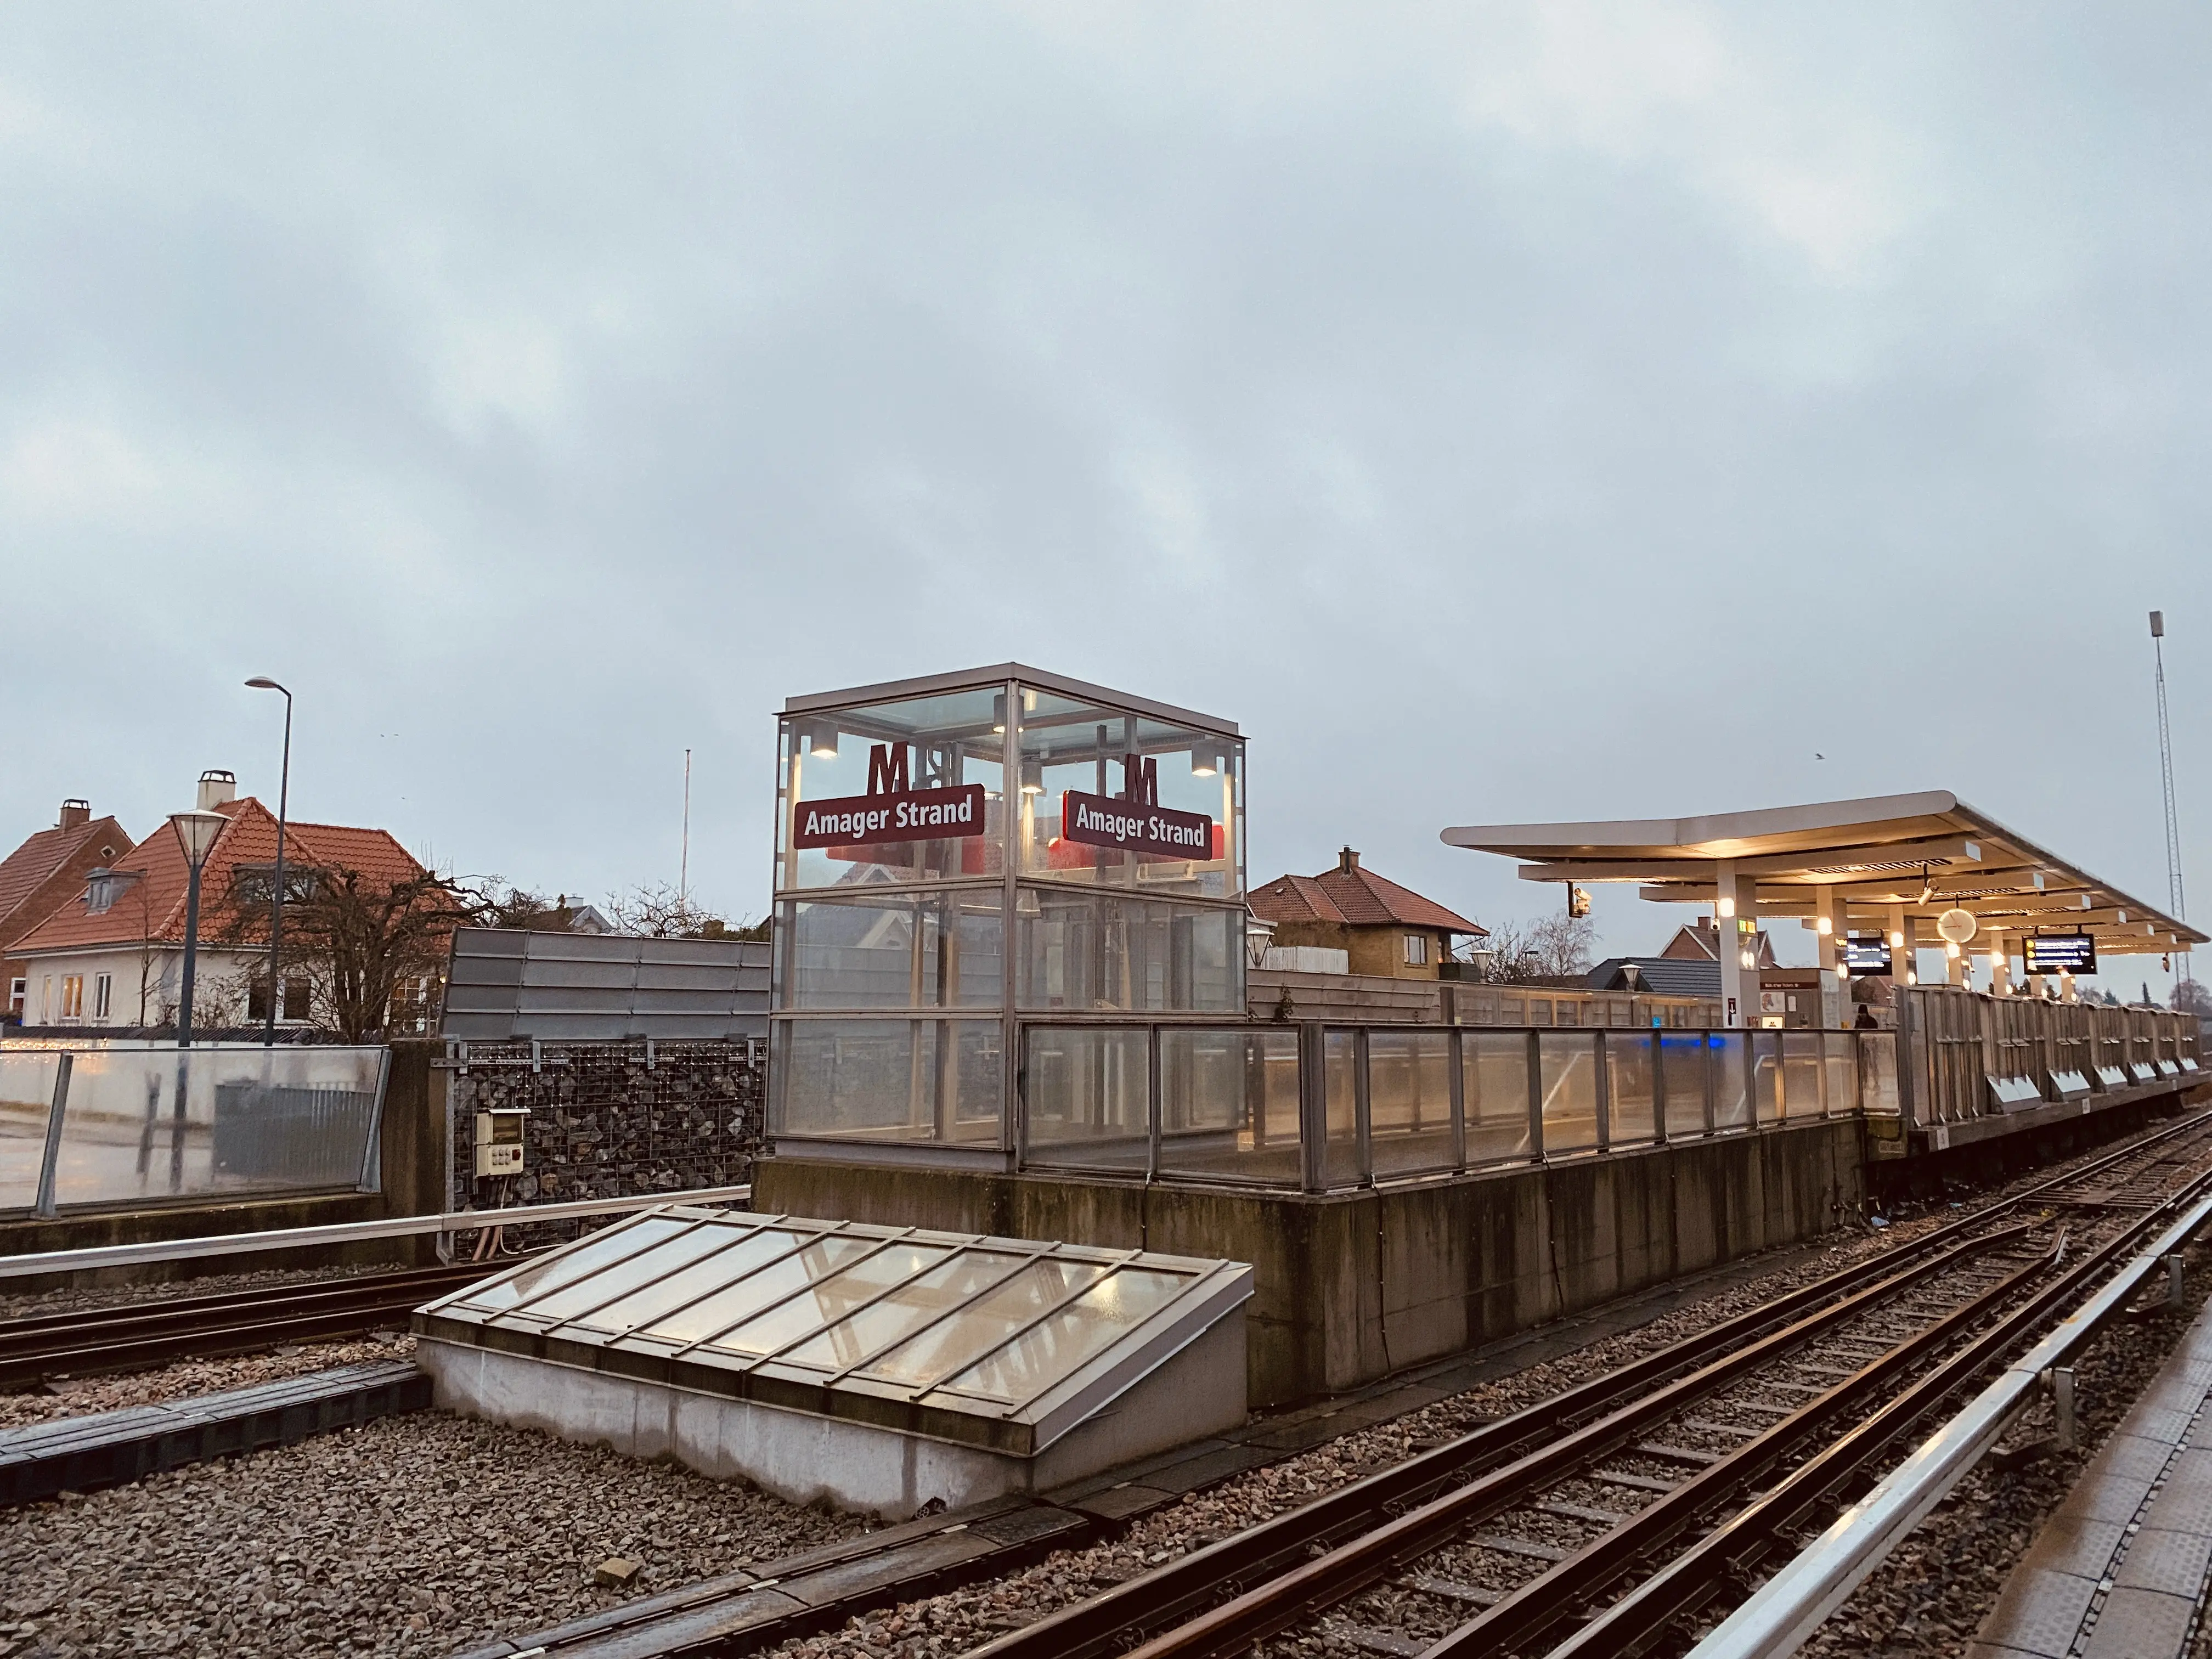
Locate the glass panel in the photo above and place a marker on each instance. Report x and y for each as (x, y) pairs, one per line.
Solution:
(1339, 1153)
(1229, 1105)
(754, 1246)
(611, 1281)
(831, 1298)
(1841, 1056)
(945, 743)
(1409, 1128)
(1800, 1074)
(587, 1256)
(1766, 1074)
(990, 1320)
(889, 1079)
(1725, 1057)
(905, 1310)
(1494, 1073)
(27, 1095)
(1878, 1072)
(1048, 1351)
(1682, 1069)
(1568, 1080)
(1086, 1098)
(1071, 746)
(747, 1296)
(1630, 1119)
(1093, 952)
(250, 1120)
(892, 950)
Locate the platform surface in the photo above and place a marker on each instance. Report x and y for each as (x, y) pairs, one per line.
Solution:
(2120, 1570)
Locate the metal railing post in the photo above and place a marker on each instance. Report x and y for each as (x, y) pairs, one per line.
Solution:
(1313, 1106)
(1363, 1121)
(1456, 1072)
(1535, 1096)
(1153, 1098)
(50, 1156)
(1601, 1088)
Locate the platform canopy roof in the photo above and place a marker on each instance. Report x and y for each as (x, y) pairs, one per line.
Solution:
(1923, 854)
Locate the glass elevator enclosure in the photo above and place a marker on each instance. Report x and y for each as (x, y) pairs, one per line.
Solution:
(961, 854)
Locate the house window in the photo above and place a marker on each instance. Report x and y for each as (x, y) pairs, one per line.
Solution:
(1417, 950)
(296, 999)
(19, 992)
(72, 996)
(103, 997)
(45, 999)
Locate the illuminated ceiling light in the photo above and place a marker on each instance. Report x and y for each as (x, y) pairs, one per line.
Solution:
(1033, 777)
(1823, 926)
(1208, 759)
(822, 743)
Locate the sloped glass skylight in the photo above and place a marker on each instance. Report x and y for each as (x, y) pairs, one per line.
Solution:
(995, 1341)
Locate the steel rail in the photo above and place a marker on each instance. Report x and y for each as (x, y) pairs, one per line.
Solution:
(1527, 1614)
(1107, 1624)
(1286, 1597)
(1785, 1610)
(348, 1232)
(151, 1334)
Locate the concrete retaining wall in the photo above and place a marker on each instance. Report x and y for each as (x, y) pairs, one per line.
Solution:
(1353, 1286)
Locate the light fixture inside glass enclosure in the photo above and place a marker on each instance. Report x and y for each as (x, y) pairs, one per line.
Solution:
(819, 741)
(1033, 777)
(1207, 760)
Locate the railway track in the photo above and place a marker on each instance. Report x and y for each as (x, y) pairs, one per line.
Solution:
(1595, 1522)
(1634, 1423)
(89, 1341)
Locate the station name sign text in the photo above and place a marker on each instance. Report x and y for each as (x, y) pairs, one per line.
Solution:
(1138, 823)
(890, 811)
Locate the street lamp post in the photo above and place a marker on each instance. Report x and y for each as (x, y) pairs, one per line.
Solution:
(262, 683)
(195, 833)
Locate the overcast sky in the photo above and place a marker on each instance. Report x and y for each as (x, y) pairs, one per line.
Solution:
(1504, 413)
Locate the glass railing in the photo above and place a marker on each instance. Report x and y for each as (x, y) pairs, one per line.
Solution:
(117, 1127)
(1321, 1109)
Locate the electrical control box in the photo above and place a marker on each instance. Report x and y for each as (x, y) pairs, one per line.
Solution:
(499, 1141)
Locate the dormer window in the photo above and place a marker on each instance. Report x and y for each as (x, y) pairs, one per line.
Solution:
(103, 887)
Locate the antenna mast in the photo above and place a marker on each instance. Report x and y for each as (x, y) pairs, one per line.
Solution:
(2165, 778)
(684, 869)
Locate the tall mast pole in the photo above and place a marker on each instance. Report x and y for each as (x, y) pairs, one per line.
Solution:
(684, 869)
(2173, 894)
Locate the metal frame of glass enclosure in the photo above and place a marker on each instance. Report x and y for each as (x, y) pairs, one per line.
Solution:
(908, 961)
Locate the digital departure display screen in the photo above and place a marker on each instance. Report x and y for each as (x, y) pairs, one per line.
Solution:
(2055, 953)
(1866, 956)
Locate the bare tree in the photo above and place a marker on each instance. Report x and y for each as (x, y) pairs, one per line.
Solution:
(1549, 947)
(2191, 997)
(658, 910)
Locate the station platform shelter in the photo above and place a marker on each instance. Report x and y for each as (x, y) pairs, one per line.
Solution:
(1009, 998)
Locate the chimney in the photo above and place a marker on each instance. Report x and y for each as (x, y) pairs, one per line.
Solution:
(76, 813)
(1348, 861)
(217, 789)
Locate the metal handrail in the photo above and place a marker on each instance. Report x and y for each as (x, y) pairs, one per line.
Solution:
(347, 1232)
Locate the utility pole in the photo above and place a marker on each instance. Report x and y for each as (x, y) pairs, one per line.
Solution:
(684, 868)
(2165, 777)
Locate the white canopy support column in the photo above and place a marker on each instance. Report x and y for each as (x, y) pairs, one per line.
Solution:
(2000, 963)
(1900, 947)
(1828, 920)
(1734, 1007)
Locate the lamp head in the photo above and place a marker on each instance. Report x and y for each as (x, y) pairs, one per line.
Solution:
(196, 832)
(262, 683)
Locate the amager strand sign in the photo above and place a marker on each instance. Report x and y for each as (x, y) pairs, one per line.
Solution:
(889, 812)
(1138, 823)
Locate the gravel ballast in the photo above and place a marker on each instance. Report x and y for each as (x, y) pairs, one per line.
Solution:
(410, 1536)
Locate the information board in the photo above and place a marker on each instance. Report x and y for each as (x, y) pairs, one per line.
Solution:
(2061, 953)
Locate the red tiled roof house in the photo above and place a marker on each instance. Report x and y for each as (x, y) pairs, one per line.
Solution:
(113, 955)
(1382, 927)
(47, 872)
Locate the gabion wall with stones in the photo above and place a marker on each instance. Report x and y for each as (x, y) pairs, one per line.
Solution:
(605, 1124)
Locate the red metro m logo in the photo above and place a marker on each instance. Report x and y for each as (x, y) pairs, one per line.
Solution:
(1140, 780)
(887, 773)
